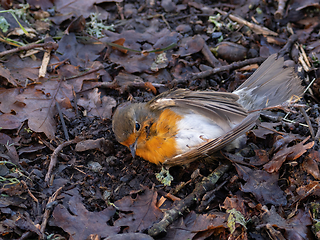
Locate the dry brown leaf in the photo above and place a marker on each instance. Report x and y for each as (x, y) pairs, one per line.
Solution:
(80, 223)
(151, 87)
(263, 185)
(96, 106)
(138, 213)
(6, 75)
(295, 228)
(287, 153)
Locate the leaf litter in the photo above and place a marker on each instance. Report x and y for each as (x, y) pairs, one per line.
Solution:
(136, 51)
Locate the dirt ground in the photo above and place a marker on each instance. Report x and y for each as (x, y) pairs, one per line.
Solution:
(66, 66)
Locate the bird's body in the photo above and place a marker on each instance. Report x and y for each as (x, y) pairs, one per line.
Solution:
(180, 126)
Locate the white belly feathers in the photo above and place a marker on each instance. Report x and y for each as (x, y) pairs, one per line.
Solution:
(194, 130)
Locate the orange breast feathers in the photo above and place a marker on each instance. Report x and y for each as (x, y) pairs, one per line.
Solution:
(157, 142)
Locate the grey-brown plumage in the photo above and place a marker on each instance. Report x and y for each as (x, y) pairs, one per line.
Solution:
(270, 85)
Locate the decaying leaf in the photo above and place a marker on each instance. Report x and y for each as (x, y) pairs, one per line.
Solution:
(263, 185)
(80, 223)
(287, 153)
(140, 212)
(295, 228)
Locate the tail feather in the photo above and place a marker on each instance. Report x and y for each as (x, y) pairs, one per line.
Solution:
(270, 85)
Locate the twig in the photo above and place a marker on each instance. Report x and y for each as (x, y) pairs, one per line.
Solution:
(120, 10)
(54, 156)
(225, 68)
(214, 62)
(271, 129)
(288, 46)
(305, 57)
(48, 45)
(306, 117)
(48, 210)
(85, 73)
(254, 27)
(75, 102)
(165, 21)
(273, 233)
(285, 107)
(308, 88)
(44, 64)
(114, 85)
(209, 197)
(52, 148)
(290, 121)
(29, 192)
(318, 131)
(207, 184)
(26, 235)
(279, 13)
(64, 127)
(303, 63)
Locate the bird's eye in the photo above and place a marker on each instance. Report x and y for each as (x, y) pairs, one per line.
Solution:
(137, 126)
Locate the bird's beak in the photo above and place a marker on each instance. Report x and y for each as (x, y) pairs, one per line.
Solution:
(133, 148)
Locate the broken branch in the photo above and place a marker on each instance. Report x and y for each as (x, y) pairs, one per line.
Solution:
(207, 184)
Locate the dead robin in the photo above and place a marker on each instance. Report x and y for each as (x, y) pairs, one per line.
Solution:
(178, 127)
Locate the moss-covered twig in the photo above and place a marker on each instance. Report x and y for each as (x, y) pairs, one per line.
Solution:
(207, 184)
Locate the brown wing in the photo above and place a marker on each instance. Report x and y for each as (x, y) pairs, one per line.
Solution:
(221, 107)
(207, 149)
(270, 85)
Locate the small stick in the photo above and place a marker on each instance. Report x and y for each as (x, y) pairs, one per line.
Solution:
(214, 62)
(279, 13)
(75, 102)
(29, 192)
(115, 85)
(44, 64)
(207, 184)
(54, 157)
(165, 21)
(48, 45)
(318, 132)
(64, 127)
(46, 214)
(254, 27)
(273, 233)
(52, 148)
(85, 73)
(272, 130)
(305, 57)
(288, 46)
(306, 117)
(120, 10)
(227, 68)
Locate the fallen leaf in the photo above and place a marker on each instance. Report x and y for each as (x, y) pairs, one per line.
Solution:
(95, 106)
(263, 185)
(9, 121)
(72, 51)
(11, 152)
(80, 223)
(140, 212)
(311, 166)
(6, 75)
(198, 226)
(295, 228)
(313, 189)
(287, 153)
(190, 45)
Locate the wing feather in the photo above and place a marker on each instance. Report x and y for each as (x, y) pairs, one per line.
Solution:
(222, 107)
